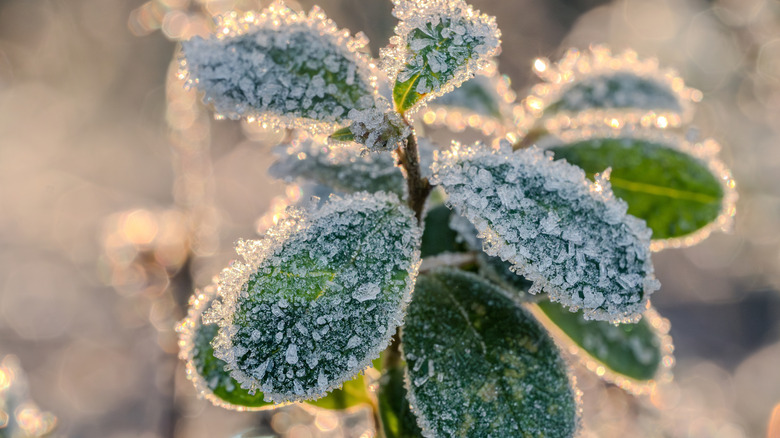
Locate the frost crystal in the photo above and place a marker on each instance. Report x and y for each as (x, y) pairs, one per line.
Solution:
(318, 279)
(283, 68)
(584, 87)
(438, 45)
(345, 168)
(378, 130)
(570, 237)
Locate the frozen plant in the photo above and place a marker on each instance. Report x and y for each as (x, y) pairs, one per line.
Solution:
(450, 311)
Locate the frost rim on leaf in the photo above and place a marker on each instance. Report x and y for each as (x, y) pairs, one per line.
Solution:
(187, 330)
(706, 152)
(277, 16)
(255, 253)
(459, 170)
(457, 118)
(416, 14)
(577, 66)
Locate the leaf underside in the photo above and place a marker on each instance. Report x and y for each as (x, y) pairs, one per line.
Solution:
(674, 193)
(480, 366)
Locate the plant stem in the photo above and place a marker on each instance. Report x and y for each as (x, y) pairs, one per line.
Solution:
(419, 187)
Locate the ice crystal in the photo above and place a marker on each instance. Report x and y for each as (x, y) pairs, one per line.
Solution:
(346, 168)
(289, 309)
(438, 45)
(570, 237)
(478, 365)
(583, 87)
(377, 129)
(283, 68)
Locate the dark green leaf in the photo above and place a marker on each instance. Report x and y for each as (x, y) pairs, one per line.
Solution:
(437, 236)
(397, 418)
(284, 68)
(317, 300)
(571, 238)
(632, 350)
(675, 193)
(480, 366)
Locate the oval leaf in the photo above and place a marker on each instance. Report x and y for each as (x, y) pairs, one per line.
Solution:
(438, 45)
(397, 418)
(680, 193)
(479, 365)
(346, 168)
(571, 238)
(596, 84)
(283, 68)
(315, 301)
(631, 355)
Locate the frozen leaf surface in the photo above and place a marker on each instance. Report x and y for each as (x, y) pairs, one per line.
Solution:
(346, 168)
(398, 421)
(593, 84)
(480, 366)
(438, 45)
(283, 68)
(477, 95)
(683, 191)
(570, 237)
(377, 129)
(319, 297)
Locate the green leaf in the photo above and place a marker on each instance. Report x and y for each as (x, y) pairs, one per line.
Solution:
(353, 393)
(397, 418)
(479, 365)
(674, 192)
(571, 238)
(282, 68)
(438, 237)
(343, 135)
(616, 90)
(319, 298)
(631, 350)
(345, 168)
(437, 47)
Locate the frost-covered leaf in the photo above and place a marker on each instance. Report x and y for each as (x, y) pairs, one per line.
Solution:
(283, 68)
(570, 237)
(438, 45)
(481, 366)
(633, 354)
(319, 297)
(597, 84)
(681, 190)
(346, 168)
(343, 135)
(352, 393)
(397, 418)
(204, 370)
(378, 130)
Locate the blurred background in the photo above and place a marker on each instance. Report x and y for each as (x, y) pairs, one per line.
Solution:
(110, 189)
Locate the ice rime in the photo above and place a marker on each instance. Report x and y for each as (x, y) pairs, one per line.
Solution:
(570, 237)
(297, 288)
(440, 42)
(283, 68)
(346, 168)
(378, 130)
